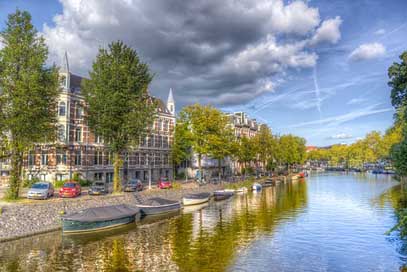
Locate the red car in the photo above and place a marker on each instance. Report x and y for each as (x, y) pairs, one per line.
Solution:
(70, 189)
(164, 183)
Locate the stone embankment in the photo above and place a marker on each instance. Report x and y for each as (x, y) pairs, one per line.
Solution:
(21, 220)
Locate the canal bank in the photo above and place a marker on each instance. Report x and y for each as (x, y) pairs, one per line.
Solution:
(25, 219)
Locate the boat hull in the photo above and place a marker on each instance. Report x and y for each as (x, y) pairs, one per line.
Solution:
(72, 226)
(154, 210)
(222, 195)
(194, 201)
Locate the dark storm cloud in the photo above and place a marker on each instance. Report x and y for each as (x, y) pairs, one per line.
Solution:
(220, 52)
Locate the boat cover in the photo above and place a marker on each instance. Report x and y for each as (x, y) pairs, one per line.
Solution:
(103, 213)
(198, 196)
(158, 201)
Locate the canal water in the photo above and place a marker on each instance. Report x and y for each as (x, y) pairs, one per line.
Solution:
(329, 222)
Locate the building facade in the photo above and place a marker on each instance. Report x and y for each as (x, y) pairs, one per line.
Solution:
(79, 150)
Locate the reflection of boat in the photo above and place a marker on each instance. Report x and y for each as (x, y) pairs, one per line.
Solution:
(157, 205)
(194, 208)
(256, 187)
(222, 194)
(268, 182)
(294, 177)
(194, 199)
(154, 218)
(100, 218)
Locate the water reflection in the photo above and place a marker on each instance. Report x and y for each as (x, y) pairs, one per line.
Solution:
(206, 239)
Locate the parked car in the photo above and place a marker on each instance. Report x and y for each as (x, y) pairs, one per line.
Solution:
(98, 188)
(133, 185)
(164, 183)
(40, 190)
(70, 189)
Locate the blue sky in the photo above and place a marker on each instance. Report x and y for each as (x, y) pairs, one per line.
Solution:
(317, 69)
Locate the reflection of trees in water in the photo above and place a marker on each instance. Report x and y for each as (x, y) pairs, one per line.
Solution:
(207, 239)
(397, 197)
(254, 215)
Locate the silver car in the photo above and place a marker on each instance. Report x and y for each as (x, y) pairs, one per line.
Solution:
(41, 190)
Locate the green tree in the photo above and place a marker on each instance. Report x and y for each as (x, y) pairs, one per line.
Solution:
(292, 150)
(28, 94)
(181, 148)
(397, 73)
(119, 107)
(246, 152)
(264, 144)
(222, 141)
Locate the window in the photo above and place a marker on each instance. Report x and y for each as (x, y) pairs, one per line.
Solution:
(61, 156)
(78, 135)
(159, 124)
(31, 158)
(158, 141)
(98, 160)
(150, 141)
(165, 141)
(98, 176)
(98, 139)
(62, 109)
(78, 158)
(165, 125)
(44, 158)
(61, 133)
(79, 111)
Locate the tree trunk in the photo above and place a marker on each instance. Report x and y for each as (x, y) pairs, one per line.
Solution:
(15, 175)
(117, 163)
(220, 169)
(200, 167)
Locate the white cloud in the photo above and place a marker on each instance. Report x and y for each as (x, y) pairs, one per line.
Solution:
(380, 31)
(368, 51)
(295, 17)
(341, 136)
(328, 31)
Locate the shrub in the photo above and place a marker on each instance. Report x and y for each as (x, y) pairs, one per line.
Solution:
(27, 183)
(59, 183)
(85, 182)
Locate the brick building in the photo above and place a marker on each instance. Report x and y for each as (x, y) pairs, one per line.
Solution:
(78, 150)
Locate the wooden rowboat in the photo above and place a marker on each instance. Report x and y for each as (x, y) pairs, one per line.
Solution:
(195, 199)
(157, 205)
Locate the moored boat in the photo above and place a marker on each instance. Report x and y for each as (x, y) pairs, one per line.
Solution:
(195, 199)
(157, 205)
(241, 190)
(100, 218)
(256, 187)
(222, 194)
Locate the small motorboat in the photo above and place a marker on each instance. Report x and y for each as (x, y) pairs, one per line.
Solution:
(100, 218)
(257, 187)
(222, 194)
(241, 190)
(158, 205)
(195, 199)
(268, 183)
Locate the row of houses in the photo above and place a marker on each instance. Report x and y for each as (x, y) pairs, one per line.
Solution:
(79, 150)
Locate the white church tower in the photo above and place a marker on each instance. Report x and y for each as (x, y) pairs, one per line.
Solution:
(171, 102)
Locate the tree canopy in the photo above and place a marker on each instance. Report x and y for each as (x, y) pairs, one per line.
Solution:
(119, 107)
(28, 93)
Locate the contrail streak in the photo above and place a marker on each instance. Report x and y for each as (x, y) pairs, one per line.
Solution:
(317, 92)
